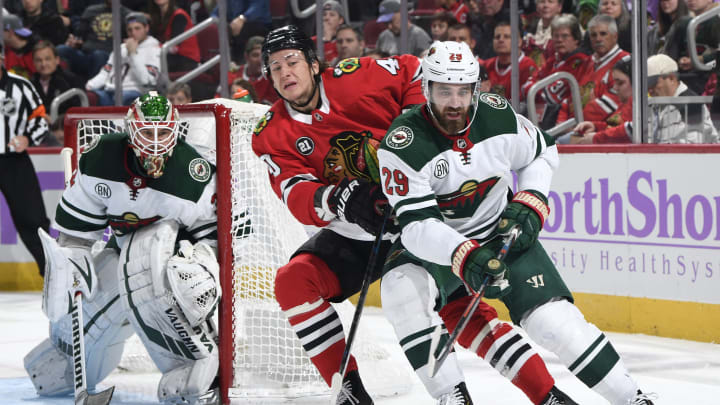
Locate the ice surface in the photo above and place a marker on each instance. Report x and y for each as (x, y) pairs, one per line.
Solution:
(679, 371)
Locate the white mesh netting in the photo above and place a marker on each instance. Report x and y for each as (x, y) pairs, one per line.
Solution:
(269, 364)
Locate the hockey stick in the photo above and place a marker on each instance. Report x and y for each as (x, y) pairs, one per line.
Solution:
(336, 384)
(66, 155)
(82, 397)
(434, 363)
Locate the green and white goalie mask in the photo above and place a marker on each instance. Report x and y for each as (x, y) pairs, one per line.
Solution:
(451, 85)
(153, 125)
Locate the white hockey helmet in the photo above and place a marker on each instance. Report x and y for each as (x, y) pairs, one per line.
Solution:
(451, 62)
(153, 125)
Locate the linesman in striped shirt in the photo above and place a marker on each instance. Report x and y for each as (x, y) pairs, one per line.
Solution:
(22, 126)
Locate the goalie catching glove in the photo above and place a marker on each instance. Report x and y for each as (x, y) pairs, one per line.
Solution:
(528, 209)
(472, 262)
(357, 201)
(194, 277)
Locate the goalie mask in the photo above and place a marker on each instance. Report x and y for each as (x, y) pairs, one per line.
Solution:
(451, 85)
(153, 125)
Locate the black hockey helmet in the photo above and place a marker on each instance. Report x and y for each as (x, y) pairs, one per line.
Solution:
(287, 37)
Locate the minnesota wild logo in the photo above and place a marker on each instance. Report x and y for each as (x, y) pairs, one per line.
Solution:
(263, 123)
(465, 201)
(129, 222)
(346, 66)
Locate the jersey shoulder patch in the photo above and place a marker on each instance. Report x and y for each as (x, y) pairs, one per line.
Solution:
(263, 122)
(494, 117)
(186, 175)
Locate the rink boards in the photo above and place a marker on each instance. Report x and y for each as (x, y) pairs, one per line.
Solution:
(634, 230)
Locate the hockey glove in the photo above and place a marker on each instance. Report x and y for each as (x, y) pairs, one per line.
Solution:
(529, 209)
(359, 201)
(472, 262)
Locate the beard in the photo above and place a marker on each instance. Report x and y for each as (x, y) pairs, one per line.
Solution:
(452, 125)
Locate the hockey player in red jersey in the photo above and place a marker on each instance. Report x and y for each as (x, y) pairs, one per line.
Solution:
(319, 143)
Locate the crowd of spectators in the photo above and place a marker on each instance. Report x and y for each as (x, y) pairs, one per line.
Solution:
(65, 44)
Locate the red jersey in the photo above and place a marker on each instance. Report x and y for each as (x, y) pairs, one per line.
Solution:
(574, 63)
(460, 11)
(264, 90)
(500, 77)
(596, 87)
(20, 64)
(330, 48)
(188, 48)
(359, 100)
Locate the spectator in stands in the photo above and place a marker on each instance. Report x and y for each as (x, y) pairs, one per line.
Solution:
(499, 68)
(389, 39)
(439, 25)
(618, 10)
(669, 34)
(485, 83)
(238, 86)
(566, 37)
(90, 41)
(50, 80)
(45, 24)
(536, 42)
(140, 64)
(461, 33)
(457, 8)
(673, 123)
(252, 71)
(596, 85)
(19, 43)
(707, 40)
(350, 43)
(247, 18)
(179, 94)
(334, 16)
(169, 21)
(601, 127)
(484, 14)
(585, 10)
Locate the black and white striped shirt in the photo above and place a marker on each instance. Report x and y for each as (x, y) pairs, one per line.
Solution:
(22, 111)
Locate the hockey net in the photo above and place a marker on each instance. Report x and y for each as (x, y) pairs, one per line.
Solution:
(261, 359)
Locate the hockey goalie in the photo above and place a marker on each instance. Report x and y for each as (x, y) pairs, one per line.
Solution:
(158, 274)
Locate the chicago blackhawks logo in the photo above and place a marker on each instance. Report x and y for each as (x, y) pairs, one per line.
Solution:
(351, 155)
(199, 169)
(494, 101)
(129, 222)
(464, 202)
(346, 66)
(263, 123)
(399, 138)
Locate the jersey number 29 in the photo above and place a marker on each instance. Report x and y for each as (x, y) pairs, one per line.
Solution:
(395, 182)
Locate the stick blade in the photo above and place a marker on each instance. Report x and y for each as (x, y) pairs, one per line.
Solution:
(101, 398)
(433, 365)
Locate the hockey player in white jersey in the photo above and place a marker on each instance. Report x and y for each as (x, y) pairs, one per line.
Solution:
(159, 271)
(446, 169)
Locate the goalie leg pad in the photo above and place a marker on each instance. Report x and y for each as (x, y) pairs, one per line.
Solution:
(408, 294)
(106, 329)
(560, 327)
(177, 348)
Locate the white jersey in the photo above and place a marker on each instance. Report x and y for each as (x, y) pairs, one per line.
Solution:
(107, 191)
(447, 189)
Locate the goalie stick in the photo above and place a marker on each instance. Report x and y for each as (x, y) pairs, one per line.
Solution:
(434, 363)
(82, 397)
(337, 378)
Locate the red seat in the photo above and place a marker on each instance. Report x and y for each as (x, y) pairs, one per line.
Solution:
(279, 12)
(426, 5)
(371, 32)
